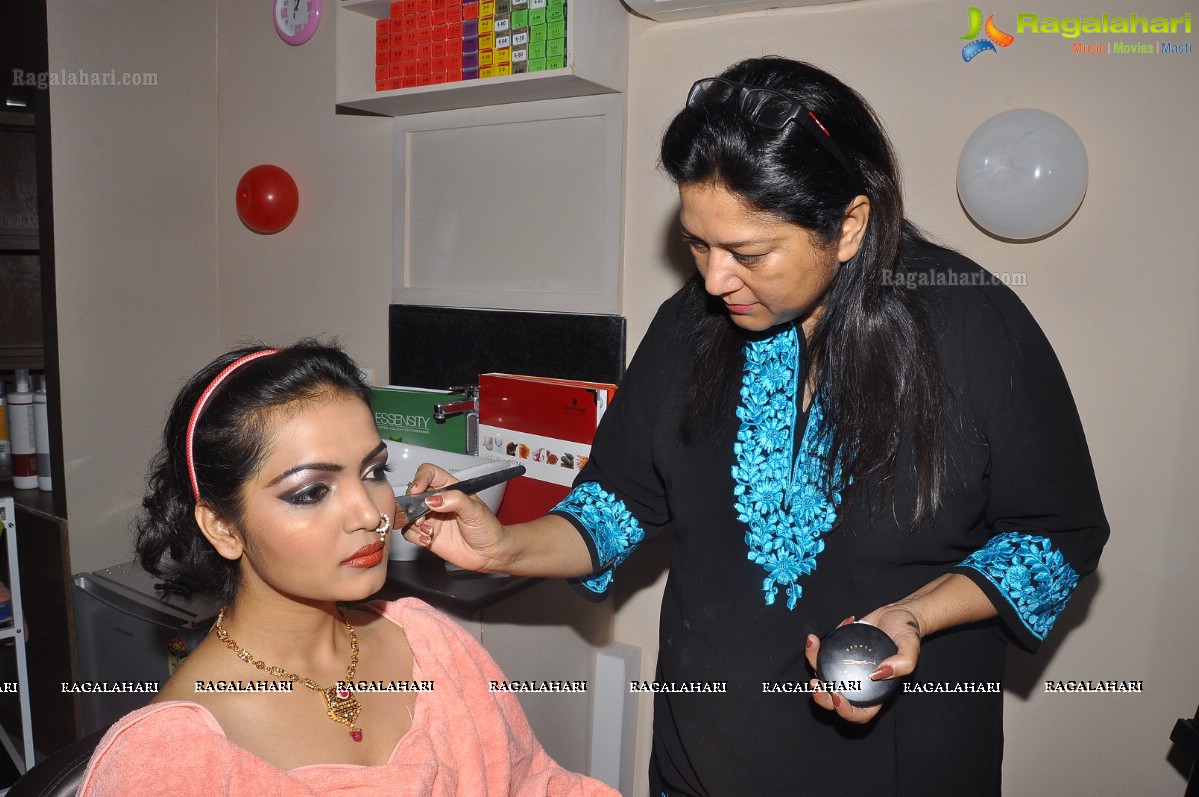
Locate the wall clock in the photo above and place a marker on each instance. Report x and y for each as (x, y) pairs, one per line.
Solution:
(296, 20)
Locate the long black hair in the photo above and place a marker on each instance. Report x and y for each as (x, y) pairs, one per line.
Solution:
(230, 443)
(870, 354)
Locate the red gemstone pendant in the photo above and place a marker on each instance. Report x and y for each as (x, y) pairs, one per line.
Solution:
(356, 735)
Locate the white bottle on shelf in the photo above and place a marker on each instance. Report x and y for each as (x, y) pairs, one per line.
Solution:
(21, 434)
(41, 436)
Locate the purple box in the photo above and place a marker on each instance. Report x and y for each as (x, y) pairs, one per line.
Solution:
(470, 45)
(470, 28)
(470, 74)
(470, 60)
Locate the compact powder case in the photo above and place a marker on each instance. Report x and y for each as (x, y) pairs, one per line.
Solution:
(849, 654)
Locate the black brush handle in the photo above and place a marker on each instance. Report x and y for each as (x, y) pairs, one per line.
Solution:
(413, 506)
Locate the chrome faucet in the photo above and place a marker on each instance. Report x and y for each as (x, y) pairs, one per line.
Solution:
(468, 405)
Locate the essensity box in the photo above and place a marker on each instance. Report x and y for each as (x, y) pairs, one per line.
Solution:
(425, 42)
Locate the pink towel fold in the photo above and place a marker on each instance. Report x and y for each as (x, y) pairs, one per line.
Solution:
(465, 740)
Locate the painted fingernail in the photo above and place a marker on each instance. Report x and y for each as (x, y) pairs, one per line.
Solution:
(425, 540)
(836, 701)
(433, 501)
(882, 673)
(809, 642)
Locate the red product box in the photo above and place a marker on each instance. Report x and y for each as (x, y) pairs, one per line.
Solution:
(453, 14)
(453, 3)
(396, 70)
(380, 85)
(383, 41)
(439, 64)
(424, 80)
(424, 35)
(438, 17)
(439, 77)
(453, 31)
(453, 75)
(410, 80)
(382, 26)
(547, 425)
(397, 55)
(408, 23)
(395, 25)
(394, 83)
(424, 52)
(382, 72)
(410, 52)
(397, 8)
(439, 51)
(382, 57)
(410, 36)
(470, 10)
(424, 5)
(453, 60)
(438, 4)
(424, 19)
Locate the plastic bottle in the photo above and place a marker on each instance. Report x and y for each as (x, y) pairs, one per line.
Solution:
(21, 433)
(41, 436)
(5, 453)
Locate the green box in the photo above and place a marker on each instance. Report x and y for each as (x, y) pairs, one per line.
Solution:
(405, 415)
(555, 48)
(536, 16)
(536, 64)
(555, 30)
(520, 19)
(558, 62)
(536, 51)
(555, 13)
(537, 33)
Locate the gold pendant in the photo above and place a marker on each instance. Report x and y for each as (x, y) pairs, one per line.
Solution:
(344, 708)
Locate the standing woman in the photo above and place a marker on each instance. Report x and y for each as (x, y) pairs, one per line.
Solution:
(841, 419)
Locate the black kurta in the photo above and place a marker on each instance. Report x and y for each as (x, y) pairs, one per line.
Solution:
(1021, 517)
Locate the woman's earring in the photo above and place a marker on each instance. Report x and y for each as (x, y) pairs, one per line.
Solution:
(383, 527)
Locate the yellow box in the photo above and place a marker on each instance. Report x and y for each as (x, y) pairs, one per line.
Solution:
(487, 8)
(486, 41)
(503, 70)
(486, 71)
(486, 58)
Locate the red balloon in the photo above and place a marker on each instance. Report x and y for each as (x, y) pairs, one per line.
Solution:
(267, 199)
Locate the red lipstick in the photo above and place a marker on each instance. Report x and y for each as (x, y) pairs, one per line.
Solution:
(367, 556)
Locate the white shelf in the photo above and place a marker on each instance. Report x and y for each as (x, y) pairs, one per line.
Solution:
(18, 747)
(596, 54)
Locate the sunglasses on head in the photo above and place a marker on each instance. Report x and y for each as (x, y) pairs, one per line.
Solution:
(766, 108)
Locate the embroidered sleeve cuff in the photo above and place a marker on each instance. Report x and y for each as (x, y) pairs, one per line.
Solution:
(611, 531)
(1032, 578)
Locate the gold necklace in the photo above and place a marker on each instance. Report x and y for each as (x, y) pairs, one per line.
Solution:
(340, 703)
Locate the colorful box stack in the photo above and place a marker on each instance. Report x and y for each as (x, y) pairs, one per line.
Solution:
(441, 41)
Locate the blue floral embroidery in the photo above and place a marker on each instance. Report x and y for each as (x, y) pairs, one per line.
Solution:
(612, 527)
(1030, 574)
(782, 497)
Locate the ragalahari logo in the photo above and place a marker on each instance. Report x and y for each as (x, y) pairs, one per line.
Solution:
(994, 36)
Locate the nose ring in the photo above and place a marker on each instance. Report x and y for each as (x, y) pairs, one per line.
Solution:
(383, 527)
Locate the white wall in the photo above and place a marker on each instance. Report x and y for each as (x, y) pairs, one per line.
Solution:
(135, 207)
(1114, 290)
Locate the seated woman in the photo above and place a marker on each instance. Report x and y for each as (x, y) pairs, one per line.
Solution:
(271, 490)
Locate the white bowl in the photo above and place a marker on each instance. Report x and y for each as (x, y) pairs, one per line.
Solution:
(404, 459)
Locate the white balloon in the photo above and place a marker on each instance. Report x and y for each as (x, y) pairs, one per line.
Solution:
(1022, 174)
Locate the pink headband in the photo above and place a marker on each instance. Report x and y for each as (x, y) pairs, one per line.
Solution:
(207, 394)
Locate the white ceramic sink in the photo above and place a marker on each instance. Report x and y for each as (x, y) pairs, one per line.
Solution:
(404, 459)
